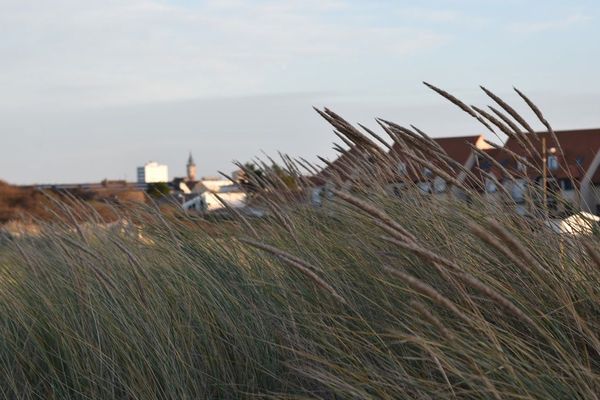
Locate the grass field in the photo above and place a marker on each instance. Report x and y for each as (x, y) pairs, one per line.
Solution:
(369, 296)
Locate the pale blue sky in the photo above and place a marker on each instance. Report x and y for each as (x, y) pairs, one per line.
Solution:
(91, 89)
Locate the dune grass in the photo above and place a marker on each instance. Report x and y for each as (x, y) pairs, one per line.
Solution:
(183, 314)
(369, 296)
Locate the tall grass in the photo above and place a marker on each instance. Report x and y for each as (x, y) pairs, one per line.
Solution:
(367, 296)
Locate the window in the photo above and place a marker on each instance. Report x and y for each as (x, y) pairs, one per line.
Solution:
(579, 160)
(439, 185)
(566, 184)
(402, 168)
(521, 167)
(485, 164)
(317, 196)
(425, 187)
(518, 191)
(427, 172)
(552, 163)
(490, 186)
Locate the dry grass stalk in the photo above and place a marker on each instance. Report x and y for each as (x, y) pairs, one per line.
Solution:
(594, 255)
(545, 122)
(374, 212)
(391, 231)
(509, 110)
(460, 104)
(432, 319)
(376, 136)
(494, 162)
(423, 253)
(514, 128)
(279, 253)
(439, 172)
(238, 215)
(299, 264)
(499, 299)
(515, 245)
(428, 291)
(467, 278)
(505, 129)
(429, 139)
(495, 243)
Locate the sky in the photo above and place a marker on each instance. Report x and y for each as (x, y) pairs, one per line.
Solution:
(92, 89)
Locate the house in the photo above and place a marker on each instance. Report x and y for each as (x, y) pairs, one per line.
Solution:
(570, 170)
(211, 201)
(417, 161)
(351, 167)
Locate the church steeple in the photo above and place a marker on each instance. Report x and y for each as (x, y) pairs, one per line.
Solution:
(191, 168)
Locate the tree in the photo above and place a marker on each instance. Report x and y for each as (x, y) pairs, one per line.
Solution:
(158, 189)
(251, 178)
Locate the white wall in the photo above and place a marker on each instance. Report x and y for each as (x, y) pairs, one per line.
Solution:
(208, 201)
(211, 185)
(153, 172)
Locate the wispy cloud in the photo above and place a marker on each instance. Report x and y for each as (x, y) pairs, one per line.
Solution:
(127, 51)
(550, 25)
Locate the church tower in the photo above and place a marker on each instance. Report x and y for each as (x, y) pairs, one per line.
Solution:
(191, 168)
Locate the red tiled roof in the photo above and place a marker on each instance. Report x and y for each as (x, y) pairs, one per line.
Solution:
(341, 167)
(579, 147)
(456, 148)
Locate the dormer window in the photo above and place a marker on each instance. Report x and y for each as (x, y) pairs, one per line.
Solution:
(485, 165)
(552, 163)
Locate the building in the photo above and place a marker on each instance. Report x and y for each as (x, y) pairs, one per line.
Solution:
(212, 185)
(210, 201)
(191, 169)
(582, 223)
(454, 156)
(153, 172)
(568, 162)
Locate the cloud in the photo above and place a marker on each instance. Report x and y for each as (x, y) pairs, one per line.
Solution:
(552, 25)
(143, 50)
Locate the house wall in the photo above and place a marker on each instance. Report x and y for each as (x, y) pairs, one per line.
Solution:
(589, 195)
(212, 185)
(208, 201)
(232, 199)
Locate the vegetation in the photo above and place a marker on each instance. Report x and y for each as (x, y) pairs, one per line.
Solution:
(28, 205)
(371, 295)
(158, 189)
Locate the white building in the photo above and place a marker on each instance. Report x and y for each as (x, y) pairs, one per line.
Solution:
(153, 172)
(208, 201)
(582, 223)
(212, 185)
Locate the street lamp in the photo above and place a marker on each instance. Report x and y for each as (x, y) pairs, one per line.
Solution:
(552, 151)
